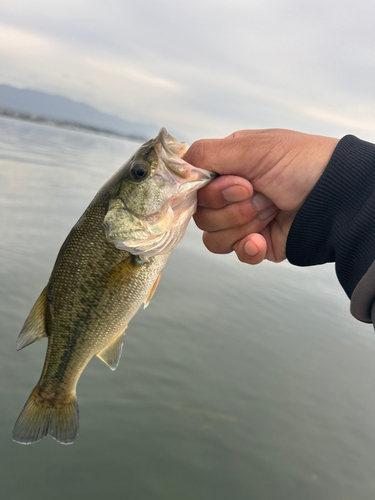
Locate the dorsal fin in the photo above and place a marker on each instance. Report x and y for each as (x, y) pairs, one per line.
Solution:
(111, 354)
(152, 291)
(35, 327)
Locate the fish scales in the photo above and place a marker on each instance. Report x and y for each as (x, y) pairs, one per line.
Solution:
(86, 321)
(109, 265)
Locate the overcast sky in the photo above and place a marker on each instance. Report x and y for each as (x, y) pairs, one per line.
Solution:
(201, 68)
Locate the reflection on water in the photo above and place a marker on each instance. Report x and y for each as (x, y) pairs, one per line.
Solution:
(237, 382)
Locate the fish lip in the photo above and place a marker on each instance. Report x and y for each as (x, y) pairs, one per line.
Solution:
(188, 173)
(181, 148)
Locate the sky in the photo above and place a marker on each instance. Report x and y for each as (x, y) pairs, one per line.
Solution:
(201, 68)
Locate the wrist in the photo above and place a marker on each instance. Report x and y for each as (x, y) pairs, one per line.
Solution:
(335, 223)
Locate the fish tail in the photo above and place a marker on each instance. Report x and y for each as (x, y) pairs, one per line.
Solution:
(41, 418)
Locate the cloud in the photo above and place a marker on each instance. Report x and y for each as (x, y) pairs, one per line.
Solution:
(18, 43)
(351, 121)
(127, 72)
(201, 68)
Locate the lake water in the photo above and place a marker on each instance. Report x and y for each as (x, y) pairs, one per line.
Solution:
(237, 382)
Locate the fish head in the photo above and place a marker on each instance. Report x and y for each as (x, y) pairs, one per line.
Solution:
(154, 197)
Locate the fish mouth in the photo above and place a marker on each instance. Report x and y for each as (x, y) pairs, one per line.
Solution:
(172, 151)
(171, 145)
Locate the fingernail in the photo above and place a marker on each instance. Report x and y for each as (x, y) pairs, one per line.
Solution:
(261, 202)
(251, 249)
(267, 213)
(233, 194)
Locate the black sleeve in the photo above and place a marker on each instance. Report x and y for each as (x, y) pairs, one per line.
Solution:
(336, 223)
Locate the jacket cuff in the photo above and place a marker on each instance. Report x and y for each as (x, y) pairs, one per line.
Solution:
(362, 305)
(336, 223)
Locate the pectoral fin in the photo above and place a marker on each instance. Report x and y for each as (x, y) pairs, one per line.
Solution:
(121, 274)
(111, 354)
(152, 291)
(34, 328)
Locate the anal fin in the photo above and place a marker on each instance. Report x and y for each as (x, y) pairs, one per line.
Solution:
(34, 328)
(111, 354)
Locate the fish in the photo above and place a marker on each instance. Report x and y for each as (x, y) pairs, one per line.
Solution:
(109, 265)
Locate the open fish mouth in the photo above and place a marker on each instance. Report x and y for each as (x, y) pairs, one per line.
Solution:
(171, 152)
(190, 178)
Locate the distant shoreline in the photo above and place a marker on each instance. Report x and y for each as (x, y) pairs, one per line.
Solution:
(69, 125)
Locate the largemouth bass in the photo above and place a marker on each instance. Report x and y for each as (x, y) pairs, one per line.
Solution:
(109, 265)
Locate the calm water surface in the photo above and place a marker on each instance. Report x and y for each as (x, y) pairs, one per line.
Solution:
(236, 383)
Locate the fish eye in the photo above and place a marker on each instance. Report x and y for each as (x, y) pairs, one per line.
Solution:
(139, 171)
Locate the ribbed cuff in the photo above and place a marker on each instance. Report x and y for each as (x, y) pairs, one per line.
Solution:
(337, 221)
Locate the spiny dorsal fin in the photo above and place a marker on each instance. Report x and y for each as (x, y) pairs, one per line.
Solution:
(34, 328)
(111, 354)
(152, 291)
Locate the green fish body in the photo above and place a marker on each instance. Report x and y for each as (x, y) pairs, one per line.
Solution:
(109, 265)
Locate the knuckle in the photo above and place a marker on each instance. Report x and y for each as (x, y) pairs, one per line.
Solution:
(237, 134)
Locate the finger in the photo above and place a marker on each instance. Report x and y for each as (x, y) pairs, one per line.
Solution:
(235, 214)
(236, 155)
(224, 190)
(271, 238)
(252, 249)
(223, 241)
(275, 237)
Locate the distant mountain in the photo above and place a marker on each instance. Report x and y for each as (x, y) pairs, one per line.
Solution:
(61, 108)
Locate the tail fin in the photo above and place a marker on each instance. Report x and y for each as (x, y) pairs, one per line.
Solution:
(37, 420)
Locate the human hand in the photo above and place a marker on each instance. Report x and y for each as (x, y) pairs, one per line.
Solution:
(280, 166)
